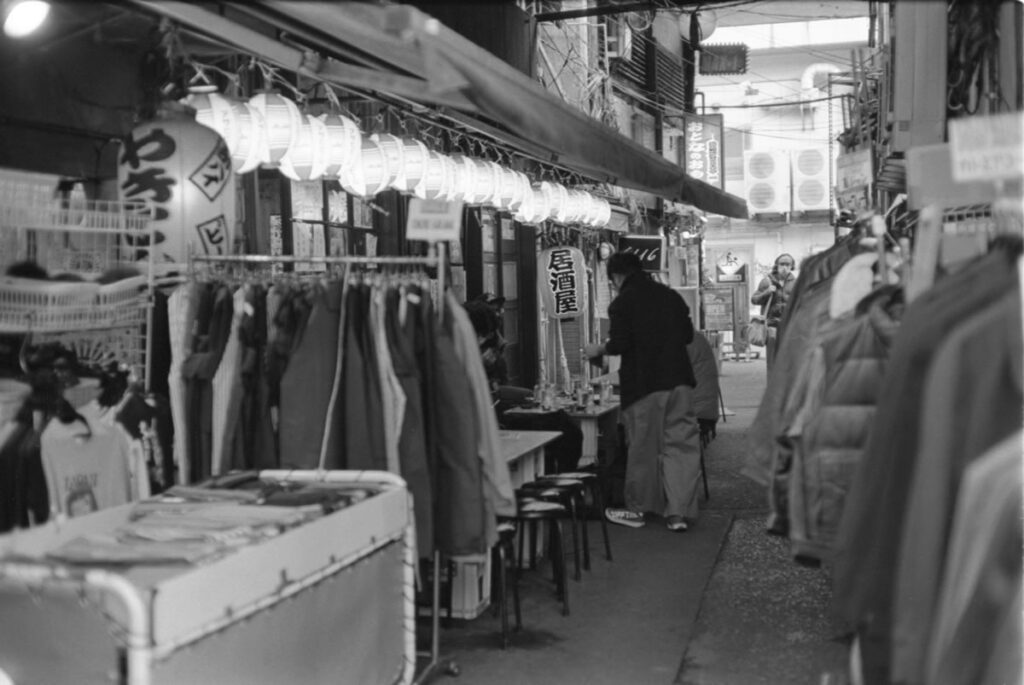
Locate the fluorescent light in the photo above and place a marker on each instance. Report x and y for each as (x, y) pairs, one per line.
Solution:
(22, 17)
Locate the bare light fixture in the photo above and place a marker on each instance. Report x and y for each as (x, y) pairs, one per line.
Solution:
(22, 17)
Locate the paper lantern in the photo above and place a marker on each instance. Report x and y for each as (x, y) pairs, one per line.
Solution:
(575, 206)
(394, 150)
(604, 213)
(438, 179)
(535, 208)
(281, 120)
(306, 159)
(414, 165)
(562, 282)
(465, 171)
(486, 182)
(344, 142)
(238, 124)
(523, 190)
(370, 174)
(557, 200)
(182, 170)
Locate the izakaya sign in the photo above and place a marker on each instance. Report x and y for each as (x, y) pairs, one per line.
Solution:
(702, 147)
(562, 282)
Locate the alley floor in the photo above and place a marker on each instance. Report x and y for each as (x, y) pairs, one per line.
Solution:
(722, 604)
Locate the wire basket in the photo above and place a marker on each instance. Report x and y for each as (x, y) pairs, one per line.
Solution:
(39, 306)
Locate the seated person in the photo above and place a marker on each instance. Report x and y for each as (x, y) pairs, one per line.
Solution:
(561, 454)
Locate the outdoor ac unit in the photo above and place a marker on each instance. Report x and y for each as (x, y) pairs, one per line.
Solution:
(618, 39)
(766, 181)
(810, 178)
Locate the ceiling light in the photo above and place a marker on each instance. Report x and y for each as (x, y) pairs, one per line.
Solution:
(22, 17)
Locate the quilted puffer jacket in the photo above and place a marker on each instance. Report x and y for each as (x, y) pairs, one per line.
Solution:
(829, 431)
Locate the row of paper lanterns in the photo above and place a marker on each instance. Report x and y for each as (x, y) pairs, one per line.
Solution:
(269, 130)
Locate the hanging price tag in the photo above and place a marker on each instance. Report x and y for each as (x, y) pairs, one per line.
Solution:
(433, 220)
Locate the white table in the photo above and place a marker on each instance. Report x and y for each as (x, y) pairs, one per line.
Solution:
(524, 452)
(594, 420)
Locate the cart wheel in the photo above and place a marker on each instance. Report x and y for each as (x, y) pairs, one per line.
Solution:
(453, 669)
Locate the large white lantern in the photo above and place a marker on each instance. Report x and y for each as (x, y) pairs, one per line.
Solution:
(344, 142)
(575, 206)
(486, 182)
(282, 120)
(535, 208)
(414, 165)
(371, 174)
(604, 213)
(182, 170)
(465, 171)
(306, 159)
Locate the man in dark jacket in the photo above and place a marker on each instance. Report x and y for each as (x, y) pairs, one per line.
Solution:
(650, 329)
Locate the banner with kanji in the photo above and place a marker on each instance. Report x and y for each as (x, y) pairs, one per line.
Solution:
(562, 282)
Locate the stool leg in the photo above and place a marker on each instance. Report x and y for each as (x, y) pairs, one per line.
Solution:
(599, 504)
(503, 591)
(574, 520)
(585, 530)
(559, 556)
(515, 597)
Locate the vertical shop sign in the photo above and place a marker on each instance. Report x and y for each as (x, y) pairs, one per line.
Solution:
(702, 147)
(562, 282)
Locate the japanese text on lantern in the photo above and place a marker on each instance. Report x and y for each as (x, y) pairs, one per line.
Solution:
(154, 183)
(562, 279)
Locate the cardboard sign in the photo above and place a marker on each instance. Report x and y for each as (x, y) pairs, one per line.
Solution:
(433, 220)
(987, 148)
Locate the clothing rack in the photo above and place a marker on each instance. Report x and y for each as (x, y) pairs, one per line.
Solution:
(436, 258)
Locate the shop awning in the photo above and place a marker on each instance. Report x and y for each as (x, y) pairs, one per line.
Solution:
(419, 59)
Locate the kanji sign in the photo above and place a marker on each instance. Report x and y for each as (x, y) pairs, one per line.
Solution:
(562, 282)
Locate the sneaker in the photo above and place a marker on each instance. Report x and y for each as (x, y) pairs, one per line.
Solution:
(624, 517)
(676, 523)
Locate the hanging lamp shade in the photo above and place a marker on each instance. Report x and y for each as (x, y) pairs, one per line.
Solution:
(509, 189)
(588, 208)
(524, 212)
(523, 190)
(604, 213)
(181, 170)
(344, 142)
(370, 174)
(414, 165)
(281, 120)
(395, 151)
(251, 139)
(485, 183)
(464, 178)
(576, 206)
(238, 124)
(557, 197)
(306, 159)
(438, 178)
(536, 207)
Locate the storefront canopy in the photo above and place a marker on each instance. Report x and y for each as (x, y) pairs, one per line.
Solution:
(407, 54)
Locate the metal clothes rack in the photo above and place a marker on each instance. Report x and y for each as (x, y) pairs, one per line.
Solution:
(437, 258)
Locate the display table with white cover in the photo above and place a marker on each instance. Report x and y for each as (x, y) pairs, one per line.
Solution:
(326, 600)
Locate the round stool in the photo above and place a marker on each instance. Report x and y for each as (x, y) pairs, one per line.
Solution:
(532, 511)
(592, 480)
(570, 493)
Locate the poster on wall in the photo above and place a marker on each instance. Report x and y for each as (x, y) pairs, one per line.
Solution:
(562, 282)
(719, 312)
(649, 248)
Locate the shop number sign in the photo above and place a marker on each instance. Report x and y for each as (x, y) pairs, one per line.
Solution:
(433, 220)
(987, 148)
(561, 273)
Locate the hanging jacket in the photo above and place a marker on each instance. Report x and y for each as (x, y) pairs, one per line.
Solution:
(828, 433)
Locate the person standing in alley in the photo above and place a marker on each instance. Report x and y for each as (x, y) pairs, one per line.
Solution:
(650, 329)
(773, 294)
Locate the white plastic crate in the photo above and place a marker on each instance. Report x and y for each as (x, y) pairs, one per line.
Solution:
(28, 304)
(471, 585)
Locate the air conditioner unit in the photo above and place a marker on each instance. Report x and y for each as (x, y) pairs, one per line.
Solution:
(810, 178)
(766, 181)
(618, 39)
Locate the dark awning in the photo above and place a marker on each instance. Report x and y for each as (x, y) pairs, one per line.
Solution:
(420, 59)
